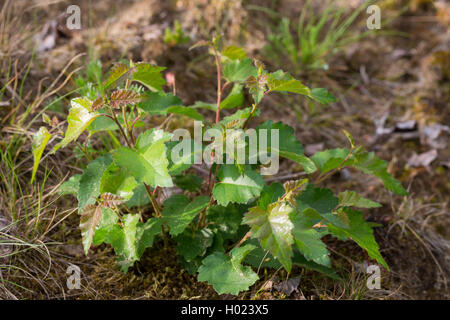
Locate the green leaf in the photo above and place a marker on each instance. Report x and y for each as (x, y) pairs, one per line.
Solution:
(368, 163)
(185, 111)
(365, 161)
(149, 167)
(146, 234)
(320, 199)
(89, 220)
(118, 182)
(150, 76)
(151, 136)
(328, 160)
(323, 203)
(234, 53)
(40, 140)
(234, 99)
(226, 220)
(241, 115)
(191, 245)
(352, 199)
(90, 181)
(124, 241)
(300, 260)
(234, 187)
(227, 274)
(302, 160)
(272, 227)
(109, 219)
(257, 87)
(178, 212)
(158, 102)
(361, 232)
(188, 182)
(79, 118)
(190, 266)
(119, 70)
(204, 105)
(308, 241)
(259, 258)
(350, 138)
(239, 70)
(140, 197)
(270, 194)
(322, 95)
(291, 85)
(102, 124)
(71, 186)
(132, 238)
(176, 36)
(289, 147)
(288, 142)
(280, 75)
(185, 154)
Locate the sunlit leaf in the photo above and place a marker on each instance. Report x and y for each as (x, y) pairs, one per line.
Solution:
(108, 220)
(102, 124)
(90, 218)
(132, 238)
(152, 136)
(234, 53)
(239, 70)
(124, 240)
(79, 118)
(71, 186)
(150, 76)
(149, 167)
(273, 227)
(118, 182)
(40, 141)
(292, 85)
(234, 187)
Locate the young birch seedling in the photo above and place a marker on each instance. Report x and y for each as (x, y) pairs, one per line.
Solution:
(231, 223)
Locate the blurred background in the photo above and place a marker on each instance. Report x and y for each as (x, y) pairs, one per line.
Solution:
(392, 86)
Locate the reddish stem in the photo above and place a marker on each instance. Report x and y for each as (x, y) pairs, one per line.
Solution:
(219, 85)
